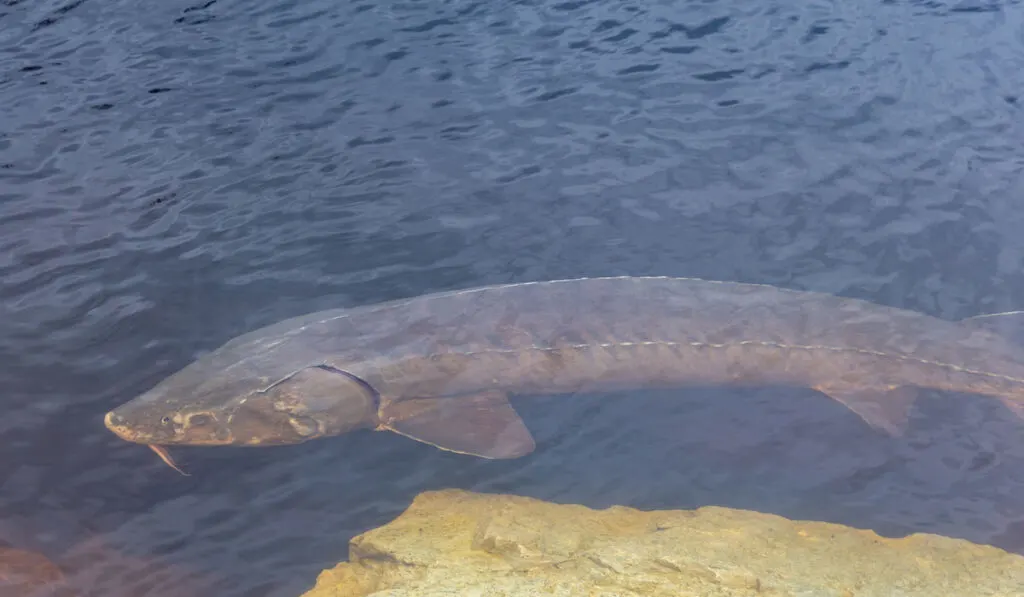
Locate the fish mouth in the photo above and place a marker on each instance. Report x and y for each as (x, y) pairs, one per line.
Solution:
(112, 422)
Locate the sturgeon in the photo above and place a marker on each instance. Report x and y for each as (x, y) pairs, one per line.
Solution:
(439, 368)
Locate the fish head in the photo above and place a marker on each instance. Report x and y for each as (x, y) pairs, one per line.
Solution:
(246, 404)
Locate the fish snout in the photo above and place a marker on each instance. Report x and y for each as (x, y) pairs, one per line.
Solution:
(115, 422)
(118, 425)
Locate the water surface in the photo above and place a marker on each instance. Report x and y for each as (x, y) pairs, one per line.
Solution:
(173, 174)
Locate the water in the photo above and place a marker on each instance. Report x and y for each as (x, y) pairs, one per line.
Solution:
(175, 174)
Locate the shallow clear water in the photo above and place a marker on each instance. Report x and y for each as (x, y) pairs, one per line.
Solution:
(175, 174)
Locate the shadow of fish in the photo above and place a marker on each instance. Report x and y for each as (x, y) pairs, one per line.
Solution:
(438, 368)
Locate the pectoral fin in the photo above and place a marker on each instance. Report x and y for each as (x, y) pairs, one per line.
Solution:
(1009, 325)
(482, 425)
(885, 409)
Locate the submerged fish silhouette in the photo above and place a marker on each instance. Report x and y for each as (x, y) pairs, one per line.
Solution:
(438, 368)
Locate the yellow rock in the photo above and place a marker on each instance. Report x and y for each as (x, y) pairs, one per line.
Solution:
(460, 544)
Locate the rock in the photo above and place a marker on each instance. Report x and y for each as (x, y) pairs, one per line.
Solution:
(455, 543)
(26, 572)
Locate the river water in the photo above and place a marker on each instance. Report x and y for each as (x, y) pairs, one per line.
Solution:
(173, 174)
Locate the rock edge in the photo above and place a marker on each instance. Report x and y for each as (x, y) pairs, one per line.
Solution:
(458, 543)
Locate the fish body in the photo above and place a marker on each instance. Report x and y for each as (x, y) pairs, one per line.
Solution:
(439, 367)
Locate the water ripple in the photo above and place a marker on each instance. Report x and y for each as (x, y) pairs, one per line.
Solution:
(174, 174)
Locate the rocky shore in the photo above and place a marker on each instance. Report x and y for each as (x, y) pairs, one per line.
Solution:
(457, 543)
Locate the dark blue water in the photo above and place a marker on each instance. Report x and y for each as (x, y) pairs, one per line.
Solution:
(173, 174)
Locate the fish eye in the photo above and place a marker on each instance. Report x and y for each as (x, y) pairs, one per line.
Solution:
(166, 420)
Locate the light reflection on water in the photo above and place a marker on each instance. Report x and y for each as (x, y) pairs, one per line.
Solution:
(174, 174)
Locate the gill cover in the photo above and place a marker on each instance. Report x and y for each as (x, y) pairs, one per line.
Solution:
(311, 402)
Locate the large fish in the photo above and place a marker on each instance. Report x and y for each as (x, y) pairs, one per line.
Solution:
(438, 368)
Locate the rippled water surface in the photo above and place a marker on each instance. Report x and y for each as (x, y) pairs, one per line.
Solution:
(174, 174)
